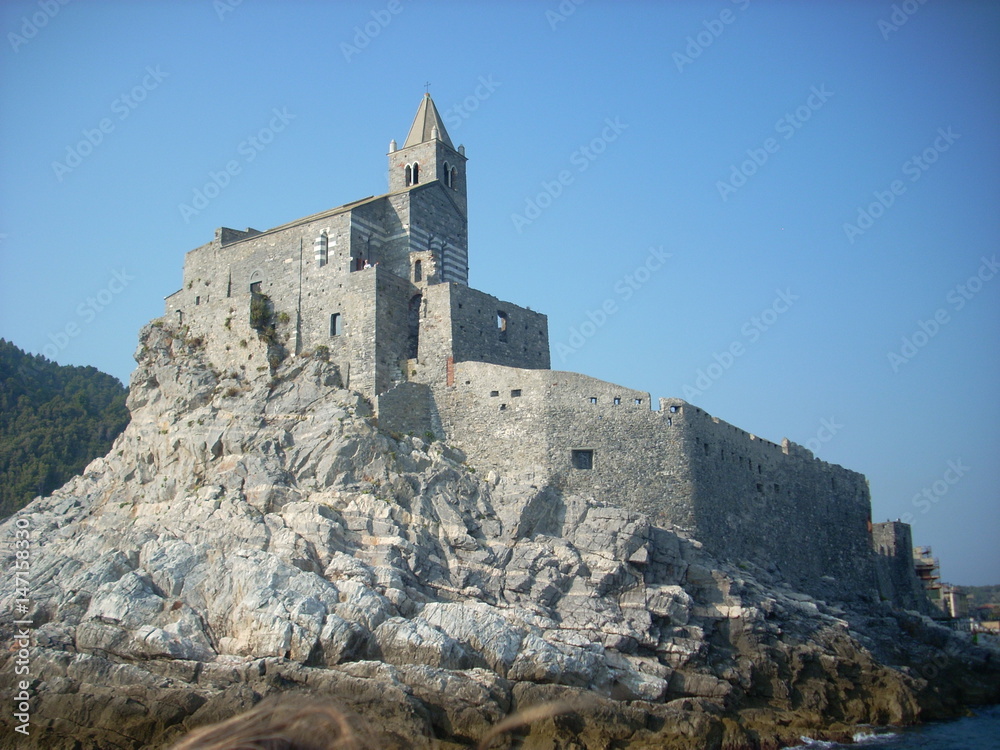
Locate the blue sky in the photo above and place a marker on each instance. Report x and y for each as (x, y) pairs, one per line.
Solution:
(784, 212)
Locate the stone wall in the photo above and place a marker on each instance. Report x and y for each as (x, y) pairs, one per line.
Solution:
(766, 503)
(897, 577)
(747, 499)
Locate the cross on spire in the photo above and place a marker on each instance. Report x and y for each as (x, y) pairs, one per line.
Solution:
(427, 88)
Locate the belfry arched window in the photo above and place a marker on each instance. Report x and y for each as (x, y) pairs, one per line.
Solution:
(408, 175)
(447, 175)
(416, 173)
(453, 177)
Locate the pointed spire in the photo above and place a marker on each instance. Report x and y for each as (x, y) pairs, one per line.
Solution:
(425, 124)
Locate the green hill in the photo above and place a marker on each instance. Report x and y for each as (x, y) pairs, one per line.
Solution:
(54, 420)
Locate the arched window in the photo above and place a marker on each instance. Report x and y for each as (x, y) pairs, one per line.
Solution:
(408, 174)
(453, 178)
(447, 175)
(416, 173)
(418, 271)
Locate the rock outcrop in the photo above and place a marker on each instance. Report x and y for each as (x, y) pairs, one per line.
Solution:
(251, 534)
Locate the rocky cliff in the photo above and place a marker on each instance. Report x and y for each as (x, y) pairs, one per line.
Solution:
(252, 533)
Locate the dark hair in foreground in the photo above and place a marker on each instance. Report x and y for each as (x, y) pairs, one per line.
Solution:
(289, 723)
(303, 723)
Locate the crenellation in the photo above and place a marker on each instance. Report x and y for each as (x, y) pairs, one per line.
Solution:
(380, 286)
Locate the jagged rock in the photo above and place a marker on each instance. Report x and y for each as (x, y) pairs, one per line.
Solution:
(251, 536)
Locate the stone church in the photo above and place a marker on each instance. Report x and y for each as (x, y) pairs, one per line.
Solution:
(380, 286)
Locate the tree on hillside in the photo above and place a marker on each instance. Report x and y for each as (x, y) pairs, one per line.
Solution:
(54, 420)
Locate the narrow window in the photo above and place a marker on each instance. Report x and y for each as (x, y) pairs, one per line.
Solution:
(416, 173)
(447, 174)
(418, 271)
(453, 179)
(336, 324)
(408, 175)
(197, 300)
(180, 317)
(320, 246)
(413, 327)
(583, 459)
(502, 324)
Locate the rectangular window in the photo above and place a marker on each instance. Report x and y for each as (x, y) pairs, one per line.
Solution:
(336, 324)
(516, 393)
(617, 401)
(583, 459)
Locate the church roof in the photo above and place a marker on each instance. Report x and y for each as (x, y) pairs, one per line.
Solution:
(424, 123)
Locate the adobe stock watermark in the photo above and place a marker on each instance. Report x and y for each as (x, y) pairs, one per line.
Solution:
(122, 106)
(956, 299)
(714, 27)
(456, 114)
(249, 149)
(786, 126)
(931, 495)
(225, 7)
(364, 34)
(582, 158)
(900, 14)
(87, 312)
(31, 25)
(20, 648)
(562, 12)
(751, 331)
(623, 290)
(914, 168)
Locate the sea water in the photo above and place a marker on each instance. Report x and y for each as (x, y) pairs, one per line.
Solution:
(978, 732)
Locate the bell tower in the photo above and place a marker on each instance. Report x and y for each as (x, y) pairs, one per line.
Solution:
(427, 155)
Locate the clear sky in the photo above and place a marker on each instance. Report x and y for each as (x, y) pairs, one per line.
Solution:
(786, 213)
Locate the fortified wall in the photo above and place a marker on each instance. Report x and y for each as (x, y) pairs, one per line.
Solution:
(897, 578)
(746, 498)
(380, 286)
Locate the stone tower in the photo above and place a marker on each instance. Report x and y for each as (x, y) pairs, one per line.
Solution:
(428, 155)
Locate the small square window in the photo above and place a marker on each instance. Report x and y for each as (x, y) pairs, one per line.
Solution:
(494, 394)
(593, 399)
(638, 402)
(583, 459)
(617, 401)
